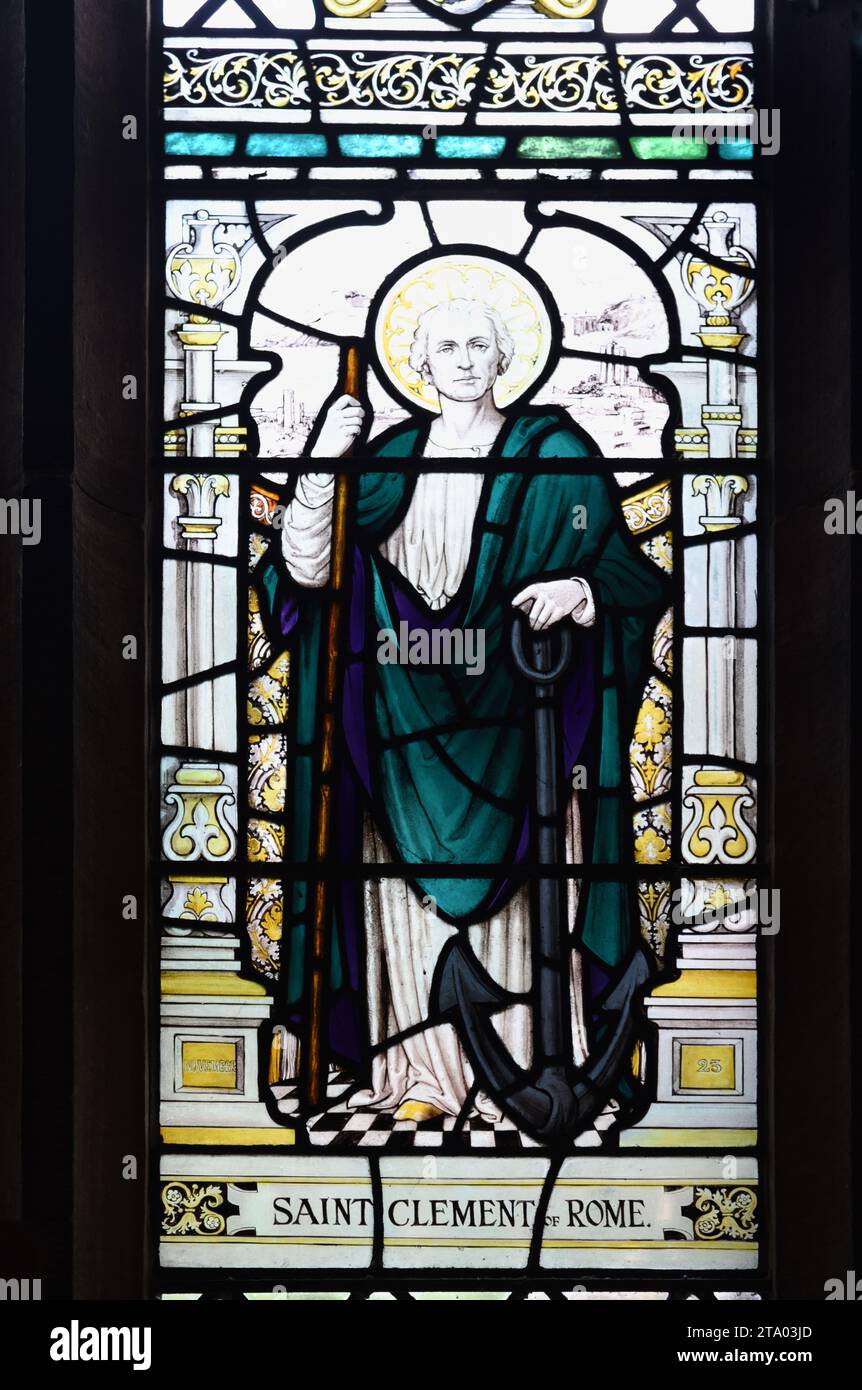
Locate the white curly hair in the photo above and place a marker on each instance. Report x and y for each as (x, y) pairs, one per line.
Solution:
(419, 349)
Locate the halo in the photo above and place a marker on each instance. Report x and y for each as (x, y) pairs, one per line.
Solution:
(463, 276)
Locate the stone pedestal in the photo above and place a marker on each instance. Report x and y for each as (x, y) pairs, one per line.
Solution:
(210, 1016)
(706, 1082)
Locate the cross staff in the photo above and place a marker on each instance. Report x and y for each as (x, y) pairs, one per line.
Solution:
(314, 1080)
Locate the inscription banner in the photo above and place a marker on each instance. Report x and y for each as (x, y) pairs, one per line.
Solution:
(492, 1216)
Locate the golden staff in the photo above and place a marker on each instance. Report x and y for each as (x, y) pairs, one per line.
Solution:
(314, 1078)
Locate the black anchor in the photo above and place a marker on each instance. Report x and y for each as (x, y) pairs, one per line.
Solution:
(550, 1102)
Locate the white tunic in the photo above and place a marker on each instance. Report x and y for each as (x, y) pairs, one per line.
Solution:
(431, 549)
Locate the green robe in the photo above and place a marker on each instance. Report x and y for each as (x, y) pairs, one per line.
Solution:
(447, 752)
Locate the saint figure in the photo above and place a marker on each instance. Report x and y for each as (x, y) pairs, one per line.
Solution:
(437, 766)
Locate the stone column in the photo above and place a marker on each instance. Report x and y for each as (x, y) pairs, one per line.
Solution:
(211, 1015)
(199, 795)
(706, 1020)
(720, 491)
(199, 338)
(720, 293)
(203, 271)
(198, 528)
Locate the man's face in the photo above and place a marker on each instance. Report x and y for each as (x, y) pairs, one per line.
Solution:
(463, 356)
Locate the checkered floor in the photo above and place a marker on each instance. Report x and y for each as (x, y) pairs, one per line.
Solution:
(340, 1126)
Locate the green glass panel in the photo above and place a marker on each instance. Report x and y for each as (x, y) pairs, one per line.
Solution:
(668, 147)
(200, 142)
(380, 146)
(470, 146)
(286, 146)
(735, 149)
(569, 147)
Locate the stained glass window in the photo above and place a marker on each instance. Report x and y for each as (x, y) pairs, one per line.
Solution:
(458, 634)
